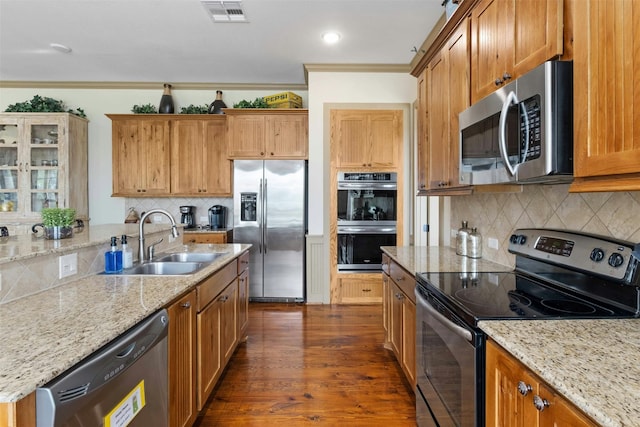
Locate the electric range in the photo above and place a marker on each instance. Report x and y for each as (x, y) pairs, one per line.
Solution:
(559, 274)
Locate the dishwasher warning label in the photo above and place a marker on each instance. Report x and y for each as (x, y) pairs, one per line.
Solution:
(127, 409)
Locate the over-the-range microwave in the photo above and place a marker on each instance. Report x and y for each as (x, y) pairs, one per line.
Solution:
(523, 132)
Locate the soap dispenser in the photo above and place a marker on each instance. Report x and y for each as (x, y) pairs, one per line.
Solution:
(113, 258)
(127, 253)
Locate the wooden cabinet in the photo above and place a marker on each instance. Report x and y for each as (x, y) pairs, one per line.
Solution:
(447, 95)
(243, 295)
(182, 361)
(267, 134)
(511, 391)
(141, 155)
(400, 306)
(606, 102)
(422, 143)
(206, 237)
(366, 138)
(511, 37)
(43, 163)
(220, 306)
(361, 288)
(199, 164)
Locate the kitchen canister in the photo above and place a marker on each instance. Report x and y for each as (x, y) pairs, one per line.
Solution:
(474, 244)
(462, 238)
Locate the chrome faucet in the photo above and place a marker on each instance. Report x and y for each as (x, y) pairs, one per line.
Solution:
(174, 230)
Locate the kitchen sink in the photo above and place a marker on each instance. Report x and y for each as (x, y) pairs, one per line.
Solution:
(164, 268)
(190, 257)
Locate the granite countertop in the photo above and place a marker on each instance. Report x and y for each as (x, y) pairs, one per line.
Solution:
(417, 259)
(200, 229)
(593, 363)
(45, 334)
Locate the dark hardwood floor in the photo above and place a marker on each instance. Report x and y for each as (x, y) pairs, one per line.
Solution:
(312, 364)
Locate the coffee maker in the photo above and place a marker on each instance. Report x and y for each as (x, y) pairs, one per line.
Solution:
(217, 217)
(188, 216)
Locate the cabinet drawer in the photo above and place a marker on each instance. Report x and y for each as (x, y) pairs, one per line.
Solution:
(205, 238)
(243, 262)
(211, 287)
(361, 290)
(405, 281)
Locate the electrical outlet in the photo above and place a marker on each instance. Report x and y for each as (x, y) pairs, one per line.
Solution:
(68, 265)
(425, 228)
(492, 243)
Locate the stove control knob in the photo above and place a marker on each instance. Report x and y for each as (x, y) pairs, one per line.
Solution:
(597, 255)
(518, 239)
(616, 260)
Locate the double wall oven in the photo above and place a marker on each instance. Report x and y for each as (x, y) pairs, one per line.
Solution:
(558, 275)
(367, 205)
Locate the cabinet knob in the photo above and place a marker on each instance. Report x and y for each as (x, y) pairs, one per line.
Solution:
(262, 153)
(506, 76)
(186, 304)
(524, 388)
(499, 81)
(540, 403)
(272, 153)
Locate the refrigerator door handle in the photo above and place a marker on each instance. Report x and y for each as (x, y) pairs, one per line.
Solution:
(264, 218)
(260, 217)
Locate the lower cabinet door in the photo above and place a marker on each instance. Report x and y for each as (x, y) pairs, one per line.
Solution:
(209, 355)
(182, 361)
(229, 301)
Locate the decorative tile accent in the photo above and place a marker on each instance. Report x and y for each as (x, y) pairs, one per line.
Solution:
(546, 206)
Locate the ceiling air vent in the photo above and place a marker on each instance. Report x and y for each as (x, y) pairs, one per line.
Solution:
(225, 11)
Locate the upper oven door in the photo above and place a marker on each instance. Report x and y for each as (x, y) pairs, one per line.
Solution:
(447, 359)
(367, 203)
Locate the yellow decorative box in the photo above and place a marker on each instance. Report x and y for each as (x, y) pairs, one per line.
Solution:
(284, 100)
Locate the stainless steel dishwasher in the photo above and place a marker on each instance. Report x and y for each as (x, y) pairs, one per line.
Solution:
(122, 384)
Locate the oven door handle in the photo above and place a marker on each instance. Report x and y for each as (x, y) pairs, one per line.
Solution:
(460, 331)
(366, 186)
(364, 230)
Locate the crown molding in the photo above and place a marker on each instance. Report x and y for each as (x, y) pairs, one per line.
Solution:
(150, 85)
(355, 68)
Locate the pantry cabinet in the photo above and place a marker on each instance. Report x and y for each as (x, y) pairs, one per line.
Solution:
(516, 397)
(141, 155)
(511, 37)
(182, 361)
(606, 102)
(199, 164)
(366, 139)
(447, 94)
(267, 133)
(399, 305)
(43, 163)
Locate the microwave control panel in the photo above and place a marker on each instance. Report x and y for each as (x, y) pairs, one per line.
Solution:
(530, 118)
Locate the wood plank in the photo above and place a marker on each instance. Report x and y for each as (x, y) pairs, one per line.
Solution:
(312, 363)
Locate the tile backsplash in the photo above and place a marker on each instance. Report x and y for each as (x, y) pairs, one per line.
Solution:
(173, 206)
(496, 215)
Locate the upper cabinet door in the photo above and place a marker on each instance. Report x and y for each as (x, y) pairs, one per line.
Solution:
(217, 168)
(246, 136)
(606, 96)
(286, 136)
(385, 130)
(511, 37)
(350, 133)
(187, 138)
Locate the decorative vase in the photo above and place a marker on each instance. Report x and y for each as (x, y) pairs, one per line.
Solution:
(166, 102)
(217, 105)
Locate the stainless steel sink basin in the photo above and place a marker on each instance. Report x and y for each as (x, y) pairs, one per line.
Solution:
(165, 268)
(190, 257)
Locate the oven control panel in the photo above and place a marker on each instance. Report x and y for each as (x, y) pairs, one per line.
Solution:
(595, 254)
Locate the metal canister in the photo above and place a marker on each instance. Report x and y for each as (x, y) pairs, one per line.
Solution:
(462, 238)
(474, 244)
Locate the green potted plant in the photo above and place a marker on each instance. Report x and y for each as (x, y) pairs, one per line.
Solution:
(57, 223)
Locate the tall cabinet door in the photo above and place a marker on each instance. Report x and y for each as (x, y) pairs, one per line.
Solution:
(186, 156)
(438, 106)
(606, 89)
(217, 168)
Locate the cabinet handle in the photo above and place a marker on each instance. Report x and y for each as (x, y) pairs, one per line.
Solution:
(186, 304)
(399, 296)
(540, 403)
(499, 81)
(399, 279)
(366, 290)
(506, 76)
(524, 388)
(20, 167)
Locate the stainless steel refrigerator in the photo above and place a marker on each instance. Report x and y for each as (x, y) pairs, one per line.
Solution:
(270, 212)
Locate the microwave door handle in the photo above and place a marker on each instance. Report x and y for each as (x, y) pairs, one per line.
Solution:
(525, 117)
(511, 97)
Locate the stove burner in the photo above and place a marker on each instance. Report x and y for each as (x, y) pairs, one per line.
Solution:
(519, 299)
(567, 306)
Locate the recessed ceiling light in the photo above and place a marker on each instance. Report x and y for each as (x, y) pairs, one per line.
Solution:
(60, 47)
(331, 37)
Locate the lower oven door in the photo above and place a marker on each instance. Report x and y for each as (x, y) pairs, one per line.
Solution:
(359, 247)
(448, 355)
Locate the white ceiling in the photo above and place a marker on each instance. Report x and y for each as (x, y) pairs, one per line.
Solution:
(176, 40)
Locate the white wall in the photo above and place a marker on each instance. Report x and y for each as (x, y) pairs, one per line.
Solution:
(104, 209)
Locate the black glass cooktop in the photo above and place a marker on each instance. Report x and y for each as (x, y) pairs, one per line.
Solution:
(510, 295)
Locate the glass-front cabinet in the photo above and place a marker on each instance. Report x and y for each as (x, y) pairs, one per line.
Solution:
(43, 163)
